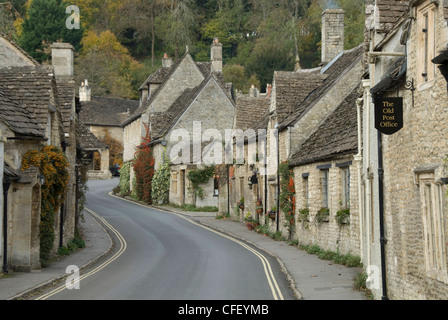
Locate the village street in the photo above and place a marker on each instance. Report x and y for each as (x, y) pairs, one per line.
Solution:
(166, 257)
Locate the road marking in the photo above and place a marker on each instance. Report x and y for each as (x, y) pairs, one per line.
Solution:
(123, 246)
(276, 292)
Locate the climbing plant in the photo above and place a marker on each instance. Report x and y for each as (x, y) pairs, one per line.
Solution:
(53, 165)
(198, 177)
(143, 165)
(287, 198)
(125, 178)
(161, 182)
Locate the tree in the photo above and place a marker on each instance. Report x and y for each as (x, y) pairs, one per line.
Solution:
(236, 74)
(44, 24)
(108, 65)
(176, 25)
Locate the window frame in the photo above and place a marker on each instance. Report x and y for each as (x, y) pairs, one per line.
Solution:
(426, 43)
(435, 251)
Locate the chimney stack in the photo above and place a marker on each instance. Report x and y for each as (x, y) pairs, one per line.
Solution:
(62, 59)
(253, 92)
(166, 61)
(85, 92)
(332, 34)
(216, 56)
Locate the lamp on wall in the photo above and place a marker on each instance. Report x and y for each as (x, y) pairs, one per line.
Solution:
(42, 179)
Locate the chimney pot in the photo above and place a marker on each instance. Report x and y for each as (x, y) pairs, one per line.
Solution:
(85, 93)
(166, 61)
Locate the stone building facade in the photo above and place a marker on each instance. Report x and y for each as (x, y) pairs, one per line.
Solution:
(413, 263)
(38, 108)
(182, 100)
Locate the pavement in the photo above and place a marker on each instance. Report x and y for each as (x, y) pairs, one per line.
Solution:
(310, 277)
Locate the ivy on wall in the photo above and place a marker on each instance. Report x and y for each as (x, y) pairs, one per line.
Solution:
(161, 182)
(125, 178)
(53, 165)
(198, 177)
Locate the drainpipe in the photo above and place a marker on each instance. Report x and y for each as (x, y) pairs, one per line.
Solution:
(278, 176)
(358, 160)
(383, 239)
(228, 190)
(6, 186)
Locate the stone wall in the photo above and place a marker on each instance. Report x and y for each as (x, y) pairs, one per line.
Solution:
(186, 75)
(11, 56)
(423, 141)
(329, 235)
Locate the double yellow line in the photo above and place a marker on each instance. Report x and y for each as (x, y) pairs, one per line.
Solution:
(276, 292)
(123, 246)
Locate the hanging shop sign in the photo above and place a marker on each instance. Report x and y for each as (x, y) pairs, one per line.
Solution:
(388, 115)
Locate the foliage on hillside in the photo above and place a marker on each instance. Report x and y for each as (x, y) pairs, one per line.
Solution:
(259, 35)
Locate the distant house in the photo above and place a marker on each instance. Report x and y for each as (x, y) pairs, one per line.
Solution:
(182, 97)
(311, 120)
(103, 116)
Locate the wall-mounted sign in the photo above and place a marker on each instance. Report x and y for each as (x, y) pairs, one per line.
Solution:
(388, 115)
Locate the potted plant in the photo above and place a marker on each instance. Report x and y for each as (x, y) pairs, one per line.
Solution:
(304, 215)
(323, 215)
(272, 213)
(343, 217)
(240, 204)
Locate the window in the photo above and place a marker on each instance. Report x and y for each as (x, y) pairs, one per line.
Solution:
(345, 187)
(425, 42)
(431, 198)
(306, 190)
(325, 188)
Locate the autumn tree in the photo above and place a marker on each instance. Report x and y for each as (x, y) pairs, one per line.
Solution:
(107, 64)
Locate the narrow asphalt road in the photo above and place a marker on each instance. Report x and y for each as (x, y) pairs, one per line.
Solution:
(163, 256)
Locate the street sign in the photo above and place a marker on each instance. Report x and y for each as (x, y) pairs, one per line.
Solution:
(388, 115)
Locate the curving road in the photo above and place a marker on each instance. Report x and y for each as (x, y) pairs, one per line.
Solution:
(164, 256)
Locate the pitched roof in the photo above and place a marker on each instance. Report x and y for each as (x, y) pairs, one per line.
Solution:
(17, 118)
(106, 111)
(160, 77)
(250, 111)
(33, 87)
(336, 136)
(291, 89)
(87, 140)
(66, 97)
(344, 61)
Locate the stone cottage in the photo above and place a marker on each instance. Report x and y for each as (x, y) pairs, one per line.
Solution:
(103, 116)
(180, 104)
(20, 209)
(42, 96)
(404, 151)
(303, 105)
